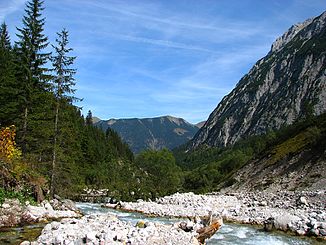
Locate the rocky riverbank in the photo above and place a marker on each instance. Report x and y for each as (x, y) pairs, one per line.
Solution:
(108, 229)
(13, 213)
(300, 213)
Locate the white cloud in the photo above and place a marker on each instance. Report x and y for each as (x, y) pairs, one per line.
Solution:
(9, 6)
(164, 43)
(145, 57)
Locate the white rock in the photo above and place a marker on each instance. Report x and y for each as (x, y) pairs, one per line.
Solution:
(48, 207)
(303, 201)
(25, 243)
(59, 239)
(55, 225)
(5, 205)
(91, 237)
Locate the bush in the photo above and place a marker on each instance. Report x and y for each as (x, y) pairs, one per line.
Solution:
(163, 174)
(22, 196)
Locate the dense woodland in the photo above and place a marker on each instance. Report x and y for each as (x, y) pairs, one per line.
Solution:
(47, 147)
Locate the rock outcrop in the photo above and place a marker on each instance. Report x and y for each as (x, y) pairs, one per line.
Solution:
(13, 213)
(288, 84)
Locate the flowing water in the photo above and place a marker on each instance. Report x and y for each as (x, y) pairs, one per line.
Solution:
(19, 234)
(229, 234)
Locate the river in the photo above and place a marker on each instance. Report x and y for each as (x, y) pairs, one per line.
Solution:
(229, 234)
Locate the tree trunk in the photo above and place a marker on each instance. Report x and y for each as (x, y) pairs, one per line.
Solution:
(24, 145)
(54, 158)
(208, 231)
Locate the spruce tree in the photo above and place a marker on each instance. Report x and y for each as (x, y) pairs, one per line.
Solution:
(32, 73)
(4, 37)
(8, 83)
(89, 118)
(63, 82)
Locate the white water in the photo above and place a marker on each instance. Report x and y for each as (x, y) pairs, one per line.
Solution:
(229, 234)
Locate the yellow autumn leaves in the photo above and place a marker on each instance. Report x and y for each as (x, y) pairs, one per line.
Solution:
(8, 150)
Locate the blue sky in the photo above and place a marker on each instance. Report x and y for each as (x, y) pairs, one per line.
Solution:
(169, 57)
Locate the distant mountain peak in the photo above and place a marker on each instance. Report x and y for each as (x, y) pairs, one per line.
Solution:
(151, 133)
(200, 124)
(111, 121)
(176, 120)
(95, 119)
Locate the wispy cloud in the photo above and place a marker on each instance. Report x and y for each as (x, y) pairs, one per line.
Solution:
(164, 43)
(8, 7)
(144, 58)
(123, 20)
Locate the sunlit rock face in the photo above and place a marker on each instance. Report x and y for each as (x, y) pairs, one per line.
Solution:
(286, 85)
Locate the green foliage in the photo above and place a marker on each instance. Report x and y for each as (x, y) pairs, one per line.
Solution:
(89, 118)
(216, 166)
(34, 99)
(54, 137)
(22, 196)
(295, 144)
(117, 146)
(49, 124)
(9, 88)
(63, 82)
(164, 174)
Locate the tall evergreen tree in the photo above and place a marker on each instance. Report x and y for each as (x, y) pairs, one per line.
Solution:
(4, 37)
(32, 58)
(63, 81)
(89, 118)
(8, 84)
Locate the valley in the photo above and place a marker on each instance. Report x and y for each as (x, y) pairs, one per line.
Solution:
(259, 159)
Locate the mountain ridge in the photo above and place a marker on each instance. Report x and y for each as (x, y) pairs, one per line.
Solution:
(287, 84)
(151, 133)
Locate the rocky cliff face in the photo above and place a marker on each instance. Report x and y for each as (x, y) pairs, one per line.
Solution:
(287, 84)
(151, 133)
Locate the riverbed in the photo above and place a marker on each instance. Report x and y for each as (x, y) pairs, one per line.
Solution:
(228, 234)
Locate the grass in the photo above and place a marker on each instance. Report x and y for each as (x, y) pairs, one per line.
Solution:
(294, 144)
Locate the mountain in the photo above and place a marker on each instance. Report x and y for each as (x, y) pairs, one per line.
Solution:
(291, 158)
(286, 85)
(296, 162)
(151, 133)
(200, 124)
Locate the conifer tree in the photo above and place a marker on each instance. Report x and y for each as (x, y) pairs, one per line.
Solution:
(32, 58)
(4, 37)
(63, 81)
(89, 118)
(8, 84)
